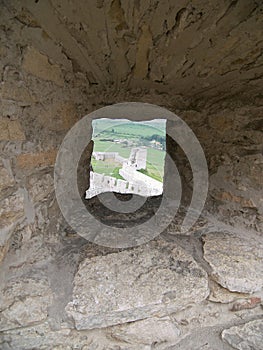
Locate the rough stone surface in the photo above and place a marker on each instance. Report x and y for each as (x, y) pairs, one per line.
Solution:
(149, 331)
(236, 260)
(32, 160)
(246, 336)
(155, 279)
(11, 209)
(37, 64)
(11, 130)
(219, 294)
(43, 337)
(23, 302)
(6, 177)
(59, 61)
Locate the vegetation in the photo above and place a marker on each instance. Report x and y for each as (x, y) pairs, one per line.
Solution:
(121, 136)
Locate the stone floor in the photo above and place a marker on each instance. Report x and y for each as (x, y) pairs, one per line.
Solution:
(200, 290)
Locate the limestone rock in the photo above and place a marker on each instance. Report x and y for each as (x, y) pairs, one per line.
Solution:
(149, 331)
(41, 336)
(246, 336)
(37, 64)
(24, 301)
(11, 209)
(222, 295)
(40, 187)
(6, 178)
(11, 130)
(151, 280)
(236, 260)
(39, 159)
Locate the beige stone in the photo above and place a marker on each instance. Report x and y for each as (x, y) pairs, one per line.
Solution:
(144, 45)
(11, 209)
(6, 178)
(37, 64)
(24, 301)
(17, 92)
(40, 187)
(152, 280)
(59, 116)
(236, 260)
(149, 331)
(229, 197)
(33, 160)
(222, 295)
(11, 130)
(245, 336)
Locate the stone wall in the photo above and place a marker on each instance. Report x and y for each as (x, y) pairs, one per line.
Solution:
(41, 98)
(196, 290)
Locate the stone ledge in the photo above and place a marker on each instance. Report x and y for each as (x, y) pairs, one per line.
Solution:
(236, 260)
(245, 336)
(152, 280)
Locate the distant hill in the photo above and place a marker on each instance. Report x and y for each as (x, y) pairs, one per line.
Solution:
(128, 129)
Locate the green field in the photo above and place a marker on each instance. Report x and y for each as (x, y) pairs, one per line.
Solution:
(107, 168)
(105, 131)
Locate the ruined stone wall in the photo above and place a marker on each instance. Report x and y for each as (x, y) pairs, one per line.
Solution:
(41, 98)
(195, 290)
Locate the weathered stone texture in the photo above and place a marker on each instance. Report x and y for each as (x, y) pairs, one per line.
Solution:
(149, 331)
(246, 336)
(11, 209)
(23, 302)
(40, 187)
(58, 62)
(37, 64)
(11, 130)
(155, 279)
(236, 260)
(6, 176)
(34, 160)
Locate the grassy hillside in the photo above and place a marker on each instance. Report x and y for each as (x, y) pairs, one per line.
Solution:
(107, 130)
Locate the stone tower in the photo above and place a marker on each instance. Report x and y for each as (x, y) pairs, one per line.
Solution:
(138, 158)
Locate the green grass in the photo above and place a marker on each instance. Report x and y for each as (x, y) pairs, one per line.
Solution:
(110, 168)
(155, 159)
(116, 129)
(104, 146)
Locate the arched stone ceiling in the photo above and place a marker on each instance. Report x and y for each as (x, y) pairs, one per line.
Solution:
(194, 49)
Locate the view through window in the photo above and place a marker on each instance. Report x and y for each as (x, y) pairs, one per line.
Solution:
(128, 157)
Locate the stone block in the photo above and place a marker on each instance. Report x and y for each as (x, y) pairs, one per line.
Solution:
(38, 64)
(6, 178)
(39, 187)
(236, 260)
(152, 280)
(59, 116)
(11, 210)
(149, 331)
(16, 92)
(11, 130)
(245, 336)
(24, 301)
(34, 160)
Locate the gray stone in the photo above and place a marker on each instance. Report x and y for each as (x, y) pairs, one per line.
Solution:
(152, 280)
(11, 209)
(236, 260)
(149, 331)
(6, 177)
(222, 295)
(42, 336)
(40, 187)
(24, 301)
(247, 336)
